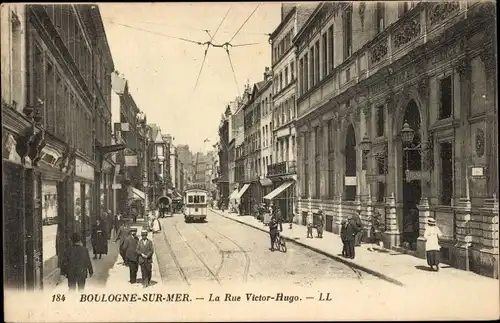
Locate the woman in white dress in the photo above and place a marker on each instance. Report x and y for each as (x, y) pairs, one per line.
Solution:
(156, 227)
(432, 247)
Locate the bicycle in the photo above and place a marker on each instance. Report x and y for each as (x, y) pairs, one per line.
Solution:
(280, 243)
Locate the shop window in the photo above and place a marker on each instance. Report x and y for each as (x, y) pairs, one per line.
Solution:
(50, 220)
(446, 102)
(78, 209)
(380, 120)
(446, 155)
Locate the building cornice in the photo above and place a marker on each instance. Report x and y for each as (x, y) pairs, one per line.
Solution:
(283, 23)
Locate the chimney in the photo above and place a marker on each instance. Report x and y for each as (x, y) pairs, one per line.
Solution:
(267, 73)
(286, 8)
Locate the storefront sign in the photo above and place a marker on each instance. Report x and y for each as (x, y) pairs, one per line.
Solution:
(478, 172)
(84, 170)
(350, 180)
(416, 175)
(283, 132)
(131, 161)
(116, 186)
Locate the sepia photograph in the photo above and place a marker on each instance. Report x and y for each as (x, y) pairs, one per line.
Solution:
(250, 161)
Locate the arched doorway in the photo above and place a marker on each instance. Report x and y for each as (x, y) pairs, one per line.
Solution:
(412, 188)
(350, 164)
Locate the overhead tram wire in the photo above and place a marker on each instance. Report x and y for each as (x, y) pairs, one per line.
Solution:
(232, 69)
(245, 22)
(159, 34)
(208, 47)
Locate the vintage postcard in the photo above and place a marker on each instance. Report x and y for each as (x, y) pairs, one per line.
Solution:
(252, 161)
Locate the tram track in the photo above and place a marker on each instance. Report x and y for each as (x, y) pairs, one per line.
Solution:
(247, 257)
(221, 252)
(214, 276)
(176, 261)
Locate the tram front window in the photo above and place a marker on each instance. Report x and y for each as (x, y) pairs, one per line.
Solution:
(199, 199)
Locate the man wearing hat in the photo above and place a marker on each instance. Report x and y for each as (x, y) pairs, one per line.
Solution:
(319, 225)
(123, 233)
(145, 252)
(351, 229)
(359, 223)
(376, 231)
(131, 258)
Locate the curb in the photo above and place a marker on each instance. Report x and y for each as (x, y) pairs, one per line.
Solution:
(329, 255)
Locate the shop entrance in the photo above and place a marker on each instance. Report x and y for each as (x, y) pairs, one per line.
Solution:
(411, 183)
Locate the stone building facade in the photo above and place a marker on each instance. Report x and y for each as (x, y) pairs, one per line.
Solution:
(284, 66)
(396, 111)
(52, 98)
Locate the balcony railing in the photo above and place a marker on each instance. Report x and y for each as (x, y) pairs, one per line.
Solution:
(282, 168)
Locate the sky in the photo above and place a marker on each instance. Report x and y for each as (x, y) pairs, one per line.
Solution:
(162, 71)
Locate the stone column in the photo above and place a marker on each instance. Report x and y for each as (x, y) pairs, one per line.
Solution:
(489, 61)
(312, 161)
(369, 162)
(392, 228)
(324, 161)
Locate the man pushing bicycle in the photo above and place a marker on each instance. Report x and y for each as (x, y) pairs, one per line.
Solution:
(273, 231)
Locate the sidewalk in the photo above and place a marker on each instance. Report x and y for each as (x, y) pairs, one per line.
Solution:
(110, 272)
(397, 268)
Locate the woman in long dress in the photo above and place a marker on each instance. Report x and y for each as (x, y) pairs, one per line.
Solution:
(99, 239)
(432, 247)
(156, 226)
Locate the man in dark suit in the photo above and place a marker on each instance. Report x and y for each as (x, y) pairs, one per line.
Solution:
(76, 264)
(130, 249)
(359, 224)
(273, 231)
(350, 234)
(145, 252)
(123, 233)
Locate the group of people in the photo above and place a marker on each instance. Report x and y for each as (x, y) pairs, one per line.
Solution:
(76, 263)
(351, 233)
(136, 253)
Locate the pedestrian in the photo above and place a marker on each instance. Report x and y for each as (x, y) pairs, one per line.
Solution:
(343, 230)
(117, 222)
(108, 218)
(145, 252)
(359, 224)
(99, 239)
(350, 235)
(410, 229)
(309, 224)
(76, 264)
(123, 233)
(131, 256)
(273, 231)
(134, 214)
(432, 247)
(376, 237)
(156, 226)
(293, 215)
(320, 224)
(279, 218)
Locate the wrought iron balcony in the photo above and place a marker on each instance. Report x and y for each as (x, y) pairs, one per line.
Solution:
(282, 168)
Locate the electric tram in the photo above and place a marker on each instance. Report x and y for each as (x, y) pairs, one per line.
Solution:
(195, 203)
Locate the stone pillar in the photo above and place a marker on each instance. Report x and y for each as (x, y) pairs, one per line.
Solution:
(488, 260)
(463, 233)
(300, 164)
(324, 161)
(465, 156)
(391, 225)
(489, 61)
(312, 161)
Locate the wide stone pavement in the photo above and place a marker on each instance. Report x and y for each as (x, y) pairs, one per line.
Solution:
(398, 268)
(111, 273)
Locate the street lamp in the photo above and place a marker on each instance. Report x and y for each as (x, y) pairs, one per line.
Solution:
(407, 135)
(365, 144)
(142, 125)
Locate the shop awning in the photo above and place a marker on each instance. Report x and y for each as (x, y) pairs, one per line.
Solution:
(265, 182)
(242, 191)
(137, 194)
(233, 194)
(278, 190)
